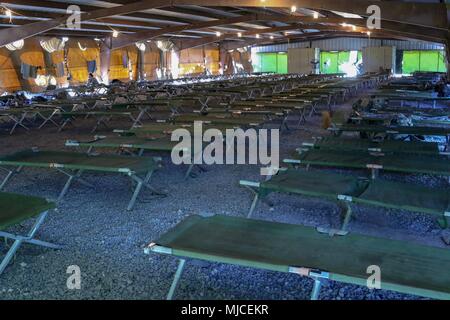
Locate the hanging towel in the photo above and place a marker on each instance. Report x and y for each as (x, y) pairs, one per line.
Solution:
(92, 66)
(60, 69)
(25, 70)
(33, 72)
(125, 59)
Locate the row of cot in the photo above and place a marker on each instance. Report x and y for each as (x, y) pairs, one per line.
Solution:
(292, 248)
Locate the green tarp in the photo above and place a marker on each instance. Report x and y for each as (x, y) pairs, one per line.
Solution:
(15, 208)
(406, 267)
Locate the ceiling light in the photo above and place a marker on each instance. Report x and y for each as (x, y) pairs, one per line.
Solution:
(271, 37)
(65, 39)
(16, 45)
(293, 9)
(315, 15)
(239, 34)
(115, 33)
(353, 28)
(218, 34)
(96, 39)
(258, 36)
(369, 33)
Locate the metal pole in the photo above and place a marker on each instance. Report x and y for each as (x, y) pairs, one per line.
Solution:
(176, 279)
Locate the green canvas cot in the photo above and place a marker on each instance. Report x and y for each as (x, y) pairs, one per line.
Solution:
(161, 144)
(237, 121)
(395, 146)
(101, 117)
(347, 189)
(74, 164)
(16, 208)
(411, 163)
(393, 130)
(406, 267)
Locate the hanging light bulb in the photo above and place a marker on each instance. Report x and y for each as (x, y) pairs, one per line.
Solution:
(115, 33)
(353, 28)
(81, 47)
(293, 9)
(315, 15)
(258, 36)
(369, 33)
(239, 34)
(218, 34)
(16, 45)
(141, 46)
(271, 37)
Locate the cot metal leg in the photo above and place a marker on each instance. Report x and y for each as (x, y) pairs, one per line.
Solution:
(141, 183)
(176, 279)
(347, 212)
(253, 206)
(69, 181)
(65, 188)
(316, 289)
(6, 179)
(136, 192)
(18, 240)
(189, 171)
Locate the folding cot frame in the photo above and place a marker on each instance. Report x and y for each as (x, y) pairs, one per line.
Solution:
(425, 148)
(28, 238)
(92, 145)
(302, 109)
(320, 272)
(389, 131)
(102, 118)
(20, 116)
(74, 172)
(342, 200)
(373, 167)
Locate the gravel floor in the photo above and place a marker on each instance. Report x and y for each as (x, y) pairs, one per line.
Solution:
(106, 241)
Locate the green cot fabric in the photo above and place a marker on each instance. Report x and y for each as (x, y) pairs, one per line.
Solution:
(416, 130)
(15, 208)
(392, 162)
(314, 183)
(406, 267)
(245, 120)
(385, 146)
(79, 161)
(373, 192)
(406, 196)
(166, 128)
(95, 113)
(160, 144)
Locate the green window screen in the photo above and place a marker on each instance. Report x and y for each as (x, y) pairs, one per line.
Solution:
(282, 61)
(423, 60)
(328, 62)
(270, 62)
(332, 61)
